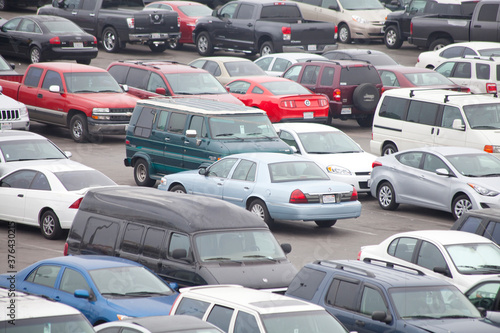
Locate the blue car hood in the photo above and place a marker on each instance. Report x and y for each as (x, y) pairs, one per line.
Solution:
(143, 306)
(454, 325)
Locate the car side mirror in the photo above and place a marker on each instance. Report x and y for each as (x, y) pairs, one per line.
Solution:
(179, 254)
(442, 270)
(202, 171)
(174, 286)
(161, 91)
(81, 293)
(12, 65)
(442, 172)
(457, 124)
(287, 248)
(68, 154)
(381, 316)
(125, 87)
(55, 88)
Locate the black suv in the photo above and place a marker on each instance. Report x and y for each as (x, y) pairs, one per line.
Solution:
(377, 296)
(353, 86)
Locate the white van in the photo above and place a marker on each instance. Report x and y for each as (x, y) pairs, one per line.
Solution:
(411, 118)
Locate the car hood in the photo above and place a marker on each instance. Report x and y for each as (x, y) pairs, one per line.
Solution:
(142, 306)
(106, 100)
(357, 162)
(455, 325)
(10, 103)
(375, 15)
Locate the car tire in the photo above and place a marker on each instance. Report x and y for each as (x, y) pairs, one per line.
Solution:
(204, 44)
(365, 121)
(178, 189)
(389, 149)
(386, 196)
(78, 128)
(36, 55)
(325, 224)
(392, 38)
(259, 208)
(365, 97)
(175, 45)
(84, 61)
(141, 174)
(344, 34)
(110, 40)
(460, 205)
(439, 44)
(49, 225)
(158, 48)
(266, 48)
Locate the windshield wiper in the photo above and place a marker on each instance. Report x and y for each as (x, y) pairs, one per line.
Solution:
(113, 294)
(230, 134)
(108, 90)
(491, 175)
(261, 134)
(223, 259)
(142, 293)
(455, 316)
(490, 266)
(184, 93)
(419, 317)
(83, 91)
(257, 256)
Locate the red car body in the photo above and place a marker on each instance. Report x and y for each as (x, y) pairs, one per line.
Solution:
(282, 99)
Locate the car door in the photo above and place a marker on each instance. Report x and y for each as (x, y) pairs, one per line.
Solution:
(41, 281)
(47, 101)
(13, 195)
(173, 152)
(405, 174)
(162, 159)
(85, 15)
(241, 183)
(484, 25)
(212, 185)
(448, 134)
(459, 72)
(419, 129)
(241, 27)
(24, 36)
(372, 299)
(222, 31)
(40, 195)
(341, 300)
(6, 39)
(72, 280)
(485, 295)
(195, 148)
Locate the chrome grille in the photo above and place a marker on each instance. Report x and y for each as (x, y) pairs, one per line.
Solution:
(10, 115)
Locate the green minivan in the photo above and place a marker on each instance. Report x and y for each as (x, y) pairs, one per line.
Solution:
(168, 135)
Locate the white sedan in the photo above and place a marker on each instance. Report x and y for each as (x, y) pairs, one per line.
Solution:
(461, 258)
(276, 64)
(227, 69)
(333, 150)
(48, 195)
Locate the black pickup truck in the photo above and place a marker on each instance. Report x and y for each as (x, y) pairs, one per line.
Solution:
(117, 22)
(262, 26)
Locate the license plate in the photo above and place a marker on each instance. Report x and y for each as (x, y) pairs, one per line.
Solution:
(5, 126)
(329, 198)
(308, 115)
(155, 36)
(78, 45)
(345, 111)
(312, 47)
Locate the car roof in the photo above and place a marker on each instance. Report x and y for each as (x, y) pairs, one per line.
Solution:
(269, 158)
(44, 18)
(167, 209)
(177, 323)
(405, 69)
(164, 66)
(263, 302)
(445, 237)
(441, 96)
(263, 78)
(305, 127)
(89, 262)
(180, 3)
(17, 135)
(475, 45)
(59, 165)
(446, 150)
(356, 51)
(69, 67)
(343, 63)
(294, 56)
(223, 59)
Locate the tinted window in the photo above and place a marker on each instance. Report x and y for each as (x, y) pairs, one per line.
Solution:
(179, 242)
(89, 4)
(100, 237)
(80, 179)
(192, 307)
(176, 123)
(310, 75)
(45, 275)
(432, 163)
(198, 123)
(257, 90)
(306, 290)
(483, 71)
(245, 323)
(132, 238)
(422, 112)
(372, 300)
(33, 76)
(488, 13)
(484, 295)
(327, 76)
(144, 123)
(52, 78)
(72, 280)
(411, 159)
(471, 224)
(156, 81)
(358, 75)
(288, 12)
(138, 78)
(393, 107)
(220, 316)
(462, 70)
(264, 63)
(342, 294)
(19, 179)
(212, 67)
(402, 248)
(239, 87)
(280, 65)
(452, 52)
(389, 79)
(162, 120)
(245, 12)
(450, 113)
(119, 73)
(430, 257)
(293, 73)
(153, 242)
(244, 171)
(493, 231)
(40, 182)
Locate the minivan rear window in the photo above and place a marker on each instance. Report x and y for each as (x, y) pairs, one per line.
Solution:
(393, 107)
(356, 75)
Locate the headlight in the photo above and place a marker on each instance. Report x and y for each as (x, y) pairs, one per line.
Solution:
(483, 190)
(97, 113)
(338, 170)
(359, 19)
(23, 110)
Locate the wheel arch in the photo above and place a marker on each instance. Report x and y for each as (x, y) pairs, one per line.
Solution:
(385, 180)
(459, 193)
(252, 198)
(262, 39)
(175, 184)
(387, 142)
(435, 35)
(72, 113)
(43, 211)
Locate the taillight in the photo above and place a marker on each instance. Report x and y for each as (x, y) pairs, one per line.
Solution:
(411, 28)
(298, 196)
(288, 104)
(65, 252)
(323, 102)
(488, 149)
(287, 33)
(131, 22)
(491, 88)
(178, 21)
(337, 95)
(95, 41)
(55, 40)
(76, 204)
(359, 255)
(376, 164)
(354, 195)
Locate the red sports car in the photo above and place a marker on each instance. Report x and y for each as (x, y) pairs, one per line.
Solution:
(189, 12)
(282, 99)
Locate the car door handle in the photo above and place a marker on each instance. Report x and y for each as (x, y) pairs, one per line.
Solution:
(92, 14)
(421, 177)
(249, 25)
(74, 13)
(39, 95)
(20, 195)
(246, 188)
(167, 139)
(477, 26)
(57, 299)
(360, 323)
(186, 142)
(219, 184)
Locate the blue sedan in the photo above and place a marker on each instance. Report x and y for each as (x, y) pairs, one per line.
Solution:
(103, 288)
(273, 186)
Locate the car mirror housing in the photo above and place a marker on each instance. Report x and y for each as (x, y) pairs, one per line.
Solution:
(442, 172)
(381, 316)
(81, 293)
(287, 248)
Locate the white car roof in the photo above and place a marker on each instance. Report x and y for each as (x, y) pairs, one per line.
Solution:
(53, 166)
(439, 96)
(445, 237)
(263, 302)
(294, 56)
(305, 127)
(15, 135)
(223, 59)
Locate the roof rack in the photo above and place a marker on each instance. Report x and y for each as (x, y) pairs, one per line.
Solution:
(338, 265)
(412, 91)
(490, 57)
(447, 97)
(324, 60)
(393, 265)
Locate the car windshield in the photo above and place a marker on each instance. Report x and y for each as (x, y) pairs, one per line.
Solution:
(432, 303)
(285, 88)
(328, 143)
(296, 171)
(91, 82)
(476, 165)
(483, 116)
(304, 321)
(194, 84)
(482, 258)
(238, 246)
(78, 179)
(27, 150)
(195, 11)
(241, 127)
(361, 4)
(428, 79)
(243, 68)
(128, 281)
(52, 324)
(62, 26)
(4, 65)
(489, 52)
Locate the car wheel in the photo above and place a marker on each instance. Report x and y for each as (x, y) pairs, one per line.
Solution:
(386, 196)
(35, 55)
(325, 224)
(460, 205)
(84, 62)
(158, 48)
(259, 208)
(49, 225)
(392, 39)
(266, 48)
(78, 128)
(365, 121)
(344, 34)
(389, 149)
(439, 44)
(175, 45)
(141, 173)
(204, 45)
(178, 189)
(110, 40)
(365, 97)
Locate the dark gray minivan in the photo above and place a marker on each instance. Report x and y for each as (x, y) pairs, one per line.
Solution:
(187, 239)
(168, 135)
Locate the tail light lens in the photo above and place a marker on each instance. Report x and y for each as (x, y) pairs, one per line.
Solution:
(131, 22)
(359, 255)
(55, 40)
(411, 29)
(337, 95)
(376, 164)
(491, 88)
(354, 195)
(95, 41)
(287, 33)
(323, 102)
(178, 21)
(488, 149)
(65, 252)
(288, 104)
(298, 196)
(76, 204)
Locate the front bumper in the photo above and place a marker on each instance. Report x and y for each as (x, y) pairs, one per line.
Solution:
(99, 127)
(367, 31)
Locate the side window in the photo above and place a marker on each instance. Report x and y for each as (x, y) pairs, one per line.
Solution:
(293, 73)
(52, 78)
(402, 248)
(156, 81)
(327, 76)
(257, 90)
(422, 112)
(239, 87)
(138, 78)
(488, 13)
(228, 11)
(264, 63)
(245, 12)
(243, 169)
(176, 123)
(389, 79)
(179, 242)
(469, 51)
(394, 108)
(222, 168)
(483, 71)
(245, 323)
(310, 75)
(372, 300)
(342, 294)
(450, 113)
(471, 224)
(289, 140)
(429, 256)
(162, 121)
(89, 4)
(19, 179)
(100, 237)
(26, 26)
(306, 290)
(132, 238)
(119, 73)
(145, 122)
(72, 280)
(462, 70)
(485, 295)
(198, 123)
(411, 159)
(40, 182)
(446, 68)
(45, 275)
(152, 243)
(280, 65)
(212, 67)
(432, 163)
(493, 231)
(220, 316)
(33, 76)
(192, 307)
(452, 52)
(11, 25)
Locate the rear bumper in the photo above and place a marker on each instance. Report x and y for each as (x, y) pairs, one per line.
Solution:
(160, 37)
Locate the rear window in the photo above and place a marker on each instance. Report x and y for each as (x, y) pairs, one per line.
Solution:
(192, 307)
(393, 107)
(280, 11)
(77, 180)
(307, 290)
(356, 75)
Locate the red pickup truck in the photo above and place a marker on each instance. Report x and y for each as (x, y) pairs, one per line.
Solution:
(86, 99)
